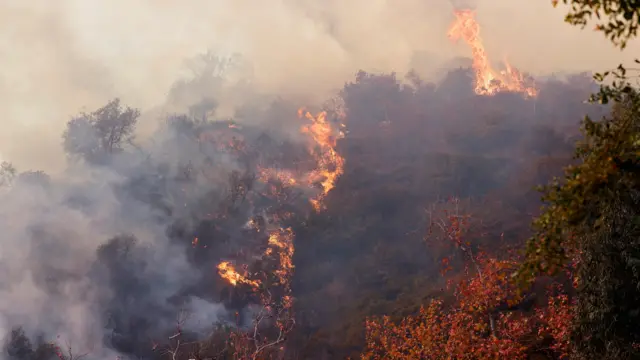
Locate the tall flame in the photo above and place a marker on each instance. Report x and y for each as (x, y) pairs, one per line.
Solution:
(330, 163)
(488, 80)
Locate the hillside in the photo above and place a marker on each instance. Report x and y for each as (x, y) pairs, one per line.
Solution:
(131, 235)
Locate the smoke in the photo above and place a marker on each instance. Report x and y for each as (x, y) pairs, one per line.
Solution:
(60, 57)
(102, 255)
(105, 255)
(83, 255)
(99, 254)
(464, 4)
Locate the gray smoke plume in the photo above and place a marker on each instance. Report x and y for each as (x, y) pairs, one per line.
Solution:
(60, 57)
(99, 253)
(104, 255)
(89, 259)
(100, 256)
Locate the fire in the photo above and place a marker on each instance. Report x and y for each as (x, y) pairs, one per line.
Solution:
(223, 141)
(228, 272)
(282, 239)
(280, 246)
(488, 80)
(330, 163)
(284, 176)
(280, 242)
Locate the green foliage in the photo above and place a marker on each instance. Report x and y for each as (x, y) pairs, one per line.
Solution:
(593, 214)
(366, 252)
(617, 19)
(617, 90)
(608, 171)
(592, 218)
(606, 325)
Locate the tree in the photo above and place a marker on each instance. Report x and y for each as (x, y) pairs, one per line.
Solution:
(203, 108)
(34, 177)
(7, 173)
(101, 133)
(617, 19)
(592, 221)
(17, 346)
(209, 73)
(487, 320)
(547, 141)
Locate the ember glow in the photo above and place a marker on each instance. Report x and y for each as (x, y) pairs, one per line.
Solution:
(284, 176)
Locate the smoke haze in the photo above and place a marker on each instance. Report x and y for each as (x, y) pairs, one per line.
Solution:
(59, 57)
(113, 240)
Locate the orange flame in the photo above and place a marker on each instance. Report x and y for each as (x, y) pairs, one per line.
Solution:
(330, 163)
(280, 242)
(488, 80)
(282, 239)
(228, 272)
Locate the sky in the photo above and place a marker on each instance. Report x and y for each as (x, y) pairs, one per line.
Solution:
(60, 57)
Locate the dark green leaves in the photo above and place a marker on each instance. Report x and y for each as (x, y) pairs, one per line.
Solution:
(617, 19)
(607, 173)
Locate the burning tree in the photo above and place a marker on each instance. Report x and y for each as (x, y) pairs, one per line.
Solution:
(106, 131)
(274, 319)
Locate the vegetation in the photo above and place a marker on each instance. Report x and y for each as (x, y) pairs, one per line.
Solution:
(421, 161)
(591, 216)
(617, 19)
(105, 131)
(201, 176)
(489, 319)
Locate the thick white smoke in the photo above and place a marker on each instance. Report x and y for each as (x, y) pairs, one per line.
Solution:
(61, 56)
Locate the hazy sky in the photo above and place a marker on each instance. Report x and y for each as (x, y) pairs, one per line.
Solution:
(60, 56)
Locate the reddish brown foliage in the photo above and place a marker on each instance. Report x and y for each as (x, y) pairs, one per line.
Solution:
(484, 322)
